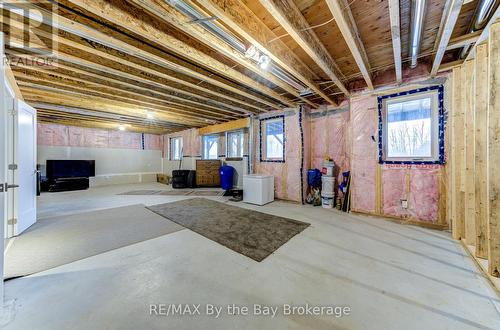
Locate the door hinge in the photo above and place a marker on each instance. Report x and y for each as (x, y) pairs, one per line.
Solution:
(12, 221)
(12, 167)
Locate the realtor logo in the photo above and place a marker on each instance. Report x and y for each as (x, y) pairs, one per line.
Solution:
(30, 30)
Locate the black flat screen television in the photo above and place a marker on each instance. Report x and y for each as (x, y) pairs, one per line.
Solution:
(57, 169)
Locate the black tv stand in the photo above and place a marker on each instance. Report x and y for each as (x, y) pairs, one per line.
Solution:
(68, 184)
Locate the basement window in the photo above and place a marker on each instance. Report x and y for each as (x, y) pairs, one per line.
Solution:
(411, 128)
(175, 148)
(234, 144)
(272, 139)
(210, 147)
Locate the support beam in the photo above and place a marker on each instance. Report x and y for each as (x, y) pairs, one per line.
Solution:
(242, 20)
(457, 195)
(396, 38)
(494, 150)
(449, 24)
(469, 137)
(294, 23)
(481, 139)
(347, 26)
(114, 11)
(225, 127)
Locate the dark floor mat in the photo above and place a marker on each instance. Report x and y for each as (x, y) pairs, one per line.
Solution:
(251, 233)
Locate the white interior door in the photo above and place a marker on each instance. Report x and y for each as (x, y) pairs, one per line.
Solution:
(3, 160)
(25, 175)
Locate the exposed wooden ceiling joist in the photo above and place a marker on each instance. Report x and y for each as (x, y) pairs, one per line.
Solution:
(125, 48)
(79, 100)
(62, 82)
(242, 20)
(464, 40)
(114, 11)
(173, 17)
(396, 38)
(343, 17)
(449, 24)
(290, 17)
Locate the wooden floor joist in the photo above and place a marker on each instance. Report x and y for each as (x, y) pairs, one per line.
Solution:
(114, 11)
(294, 23)
(173, 17)
(48, 76)
(241, 19)
(85, 32)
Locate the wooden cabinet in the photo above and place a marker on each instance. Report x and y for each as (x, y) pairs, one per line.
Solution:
(207, 173)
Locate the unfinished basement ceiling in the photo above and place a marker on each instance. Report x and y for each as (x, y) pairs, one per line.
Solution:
(148, 65)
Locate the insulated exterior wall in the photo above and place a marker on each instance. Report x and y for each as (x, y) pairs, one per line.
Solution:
(287, 174)
(380, 188)
(120, 156)
(330, 139)
(364, 125)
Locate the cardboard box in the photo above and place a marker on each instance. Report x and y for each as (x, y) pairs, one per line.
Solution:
(163, 178)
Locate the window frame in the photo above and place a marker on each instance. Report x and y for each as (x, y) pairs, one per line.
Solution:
(241, 143)
(204, 154)
(437, 125)
(171, 155)
(262, 133)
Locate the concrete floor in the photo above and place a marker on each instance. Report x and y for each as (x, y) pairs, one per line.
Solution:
(391, 276)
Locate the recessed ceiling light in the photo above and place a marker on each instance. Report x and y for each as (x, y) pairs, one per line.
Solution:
(150, 115)
(122, 128)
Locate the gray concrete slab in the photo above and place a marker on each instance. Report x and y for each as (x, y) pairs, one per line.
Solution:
(391, 276)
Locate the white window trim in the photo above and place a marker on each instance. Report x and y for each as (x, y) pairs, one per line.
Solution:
(434, 126)
(171, 148)
(204, 154)
(263, 140)
(241, 137)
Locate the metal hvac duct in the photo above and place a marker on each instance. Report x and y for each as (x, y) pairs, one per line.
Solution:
(417, 25)
(482, 15)
(230, 39)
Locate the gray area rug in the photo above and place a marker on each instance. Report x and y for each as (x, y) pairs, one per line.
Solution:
(60, 240)
(175, 192)
(251, 233)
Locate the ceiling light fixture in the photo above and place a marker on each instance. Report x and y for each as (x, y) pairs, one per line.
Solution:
(122, 128)
(150, 115)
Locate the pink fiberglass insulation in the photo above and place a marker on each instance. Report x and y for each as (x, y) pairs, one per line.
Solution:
(329, 139)
(293, 149)
(394, 190)
(424, 200)
(364, 153)
(88, 137)
(286, 175)
(52, 135)
(125, 140)
(152, 142)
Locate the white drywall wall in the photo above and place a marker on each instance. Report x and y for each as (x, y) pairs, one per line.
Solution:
(112, 165)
